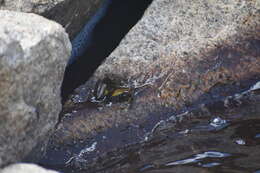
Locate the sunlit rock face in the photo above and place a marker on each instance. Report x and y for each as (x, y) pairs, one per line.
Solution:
(179, 45)
(33, 55)
(69, 13)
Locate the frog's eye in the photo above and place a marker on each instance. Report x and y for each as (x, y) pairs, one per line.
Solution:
(101, 90)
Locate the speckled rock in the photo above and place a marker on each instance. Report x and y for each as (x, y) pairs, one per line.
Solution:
(25, 168)
(69, 13)
(177, 34)
(33, 55)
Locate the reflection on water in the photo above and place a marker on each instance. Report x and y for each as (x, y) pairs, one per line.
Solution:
(233, 149)
(198, 158)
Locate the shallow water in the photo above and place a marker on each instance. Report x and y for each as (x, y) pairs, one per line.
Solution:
(199, 148)
(221, 139)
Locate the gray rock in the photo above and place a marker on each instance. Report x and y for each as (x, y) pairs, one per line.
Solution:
(33, 55)
(70, 14)
(25, 168)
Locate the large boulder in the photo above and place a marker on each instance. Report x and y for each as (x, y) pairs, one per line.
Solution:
(179, 42)
(70, 14)
(179, 55)
(33, 55)
(25, 168)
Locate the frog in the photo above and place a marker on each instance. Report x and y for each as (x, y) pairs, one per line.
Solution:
(114, 91)
(111, 91)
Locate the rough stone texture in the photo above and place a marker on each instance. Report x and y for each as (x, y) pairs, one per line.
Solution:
(25, 168)
(70, 14)
(177, 34)
(186, 52)
(33, 55)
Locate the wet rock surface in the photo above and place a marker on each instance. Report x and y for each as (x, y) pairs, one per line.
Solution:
(220, 136)
(71, 14)
(32, 63)
(181, 56)
(25, 168)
